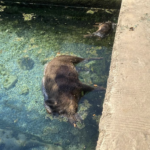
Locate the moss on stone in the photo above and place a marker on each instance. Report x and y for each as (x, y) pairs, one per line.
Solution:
(65, 119)
(24, 90)
(96, 118)
(74, 131)
(95, 79)
(49, 116)
(87, 104)
(50, 130)
(85, 77)
(80, 125)
(83, 109)
(10, 82)
(84, 115)
(3, 70)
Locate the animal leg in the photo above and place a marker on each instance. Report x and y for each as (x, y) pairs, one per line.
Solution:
(87, 88)
(76, 60)
(100, 88)
(94, 58)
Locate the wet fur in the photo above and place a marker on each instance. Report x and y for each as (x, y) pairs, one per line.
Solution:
(61, 87)
(103, 30)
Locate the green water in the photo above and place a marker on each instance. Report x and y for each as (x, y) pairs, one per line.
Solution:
(30, 36)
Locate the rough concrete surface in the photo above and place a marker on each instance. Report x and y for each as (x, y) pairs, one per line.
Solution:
(125, 122)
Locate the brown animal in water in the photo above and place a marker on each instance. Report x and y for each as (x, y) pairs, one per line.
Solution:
(61, 87)
(103, 30)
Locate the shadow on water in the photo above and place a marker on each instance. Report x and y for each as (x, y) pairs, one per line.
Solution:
(30, 36)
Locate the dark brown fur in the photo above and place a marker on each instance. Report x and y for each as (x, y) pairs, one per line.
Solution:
(62, 88)
(103, 30)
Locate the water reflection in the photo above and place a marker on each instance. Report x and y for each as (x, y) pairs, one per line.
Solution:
(30, 36)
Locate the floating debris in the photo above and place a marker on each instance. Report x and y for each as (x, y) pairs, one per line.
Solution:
(90, 12)
(28, 17)
(15, 120)
(74, 125)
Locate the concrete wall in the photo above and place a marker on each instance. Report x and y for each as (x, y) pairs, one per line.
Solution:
(86, 3)
(125, 121)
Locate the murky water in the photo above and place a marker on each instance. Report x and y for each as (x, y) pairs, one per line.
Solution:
(30, 36)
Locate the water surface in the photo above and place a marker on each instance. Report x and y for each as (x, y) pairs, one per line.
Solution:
(30, 36)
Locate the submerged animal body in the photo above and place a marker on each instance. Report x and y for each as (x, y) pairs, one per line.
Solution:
(61, 87)
(103, 30)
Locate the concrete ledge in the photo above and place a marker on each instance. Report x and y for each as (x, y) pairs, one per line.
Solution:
(125, 122)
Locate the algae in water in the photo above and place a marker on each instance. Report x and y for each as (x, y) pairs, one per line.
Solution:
(26, 63)
(10, 82)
